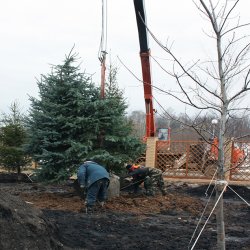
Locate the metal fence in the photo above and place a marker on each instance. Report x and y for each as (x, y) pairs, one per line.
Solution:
(199, 160)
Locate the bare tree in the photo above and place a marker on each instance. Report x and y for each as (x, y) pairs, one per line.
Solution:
(219, 85)
(138, 120)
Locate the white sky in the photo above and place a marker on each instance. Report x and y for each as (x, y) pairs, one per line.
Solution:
(38, 33)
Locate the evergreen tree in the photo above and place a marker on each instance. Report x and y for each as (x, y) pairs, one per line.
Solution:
(61, 121)
(115, 143)
(70, 122)
(12, 139)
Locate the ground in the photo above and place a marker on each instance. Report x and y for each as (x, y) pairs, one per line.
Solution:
(126, 222)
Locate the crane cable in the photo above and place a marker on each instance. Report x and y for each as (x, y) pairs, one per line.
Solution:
(103, 46)
(103, 42)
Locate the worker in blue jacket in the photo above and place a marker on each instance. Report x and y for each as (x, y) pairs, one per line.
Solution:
(95, 179)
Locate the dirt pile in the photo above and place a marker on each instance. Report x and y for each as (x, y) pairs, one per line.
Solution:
(141, 204)
(24, 227)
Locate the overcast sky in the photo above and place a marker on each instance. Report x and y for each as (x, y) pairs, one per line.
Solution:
(38, 33)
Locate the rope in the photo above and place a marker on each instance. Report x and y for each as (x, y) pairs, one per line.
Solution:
(239, 196)
(211, 181)
(209, 216)
(28, 175)
(200, 218)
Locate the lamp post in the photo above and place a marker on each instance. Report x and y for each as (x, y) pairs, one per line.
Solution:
(214, 123)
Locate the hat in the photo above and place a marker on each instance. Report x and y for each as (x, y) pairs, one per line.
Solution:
(128, 166)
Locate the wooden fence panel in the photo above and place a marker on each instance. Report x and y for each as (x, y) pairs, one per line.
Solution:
(199, 160)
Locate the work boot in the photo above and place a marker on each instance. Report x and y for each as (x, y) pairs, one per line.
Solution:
(100, 207)
(150, 193)
(89, 209)
(136, 191)
(82, 210)
(101, 203)
(163, 192)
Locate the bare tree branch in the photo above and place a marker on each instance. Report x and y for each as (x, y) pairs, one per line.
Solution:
(228, 14)
(180, 65)
(234, 28)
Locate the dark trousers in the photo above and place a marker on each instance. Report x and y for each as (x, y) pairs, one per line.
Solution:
(97, 191)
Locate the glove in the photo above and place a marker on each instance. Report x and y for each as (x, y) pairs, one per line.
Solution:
(82, 191)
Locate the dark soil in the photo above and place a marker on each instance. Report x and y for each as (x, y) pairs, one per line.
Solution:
(49, 217)
(23, 226)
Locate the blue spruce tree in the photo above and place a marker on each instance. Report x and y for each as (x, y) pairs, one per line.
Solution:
(69, 122)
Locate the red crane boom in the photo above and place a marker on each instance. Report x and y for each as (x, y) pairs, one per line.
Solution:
(146, 68)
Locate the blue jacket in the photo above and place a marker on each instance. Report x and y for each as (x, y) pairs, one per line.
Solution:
(90, 172)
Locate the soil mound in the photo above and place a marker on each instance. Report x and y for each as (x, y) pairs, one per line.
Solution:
(23, 226)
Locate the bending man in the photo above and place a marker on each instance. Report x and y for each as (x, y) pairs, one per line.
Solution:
(95, 179)
(152, 178)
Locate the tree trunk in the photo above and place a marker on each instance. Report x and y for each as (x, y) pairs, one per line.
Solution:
(220, 218)
(19, 173)
(100, 138)
(221, 182)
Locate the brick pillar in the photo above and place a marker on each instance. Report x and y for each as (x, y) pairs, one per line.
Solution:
(151, 151)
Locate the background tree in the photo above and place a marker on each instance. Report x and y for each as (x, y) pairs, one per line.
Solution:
(137, 119)
(12, 139)
(70, 122)
(217, 86)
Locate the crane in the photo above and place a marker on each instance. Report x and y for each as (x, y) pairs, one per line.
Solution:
(145, 65)
(145, 61)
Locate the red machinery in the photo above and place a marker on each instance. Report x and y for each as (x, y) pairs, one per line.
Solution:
(145, 64)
